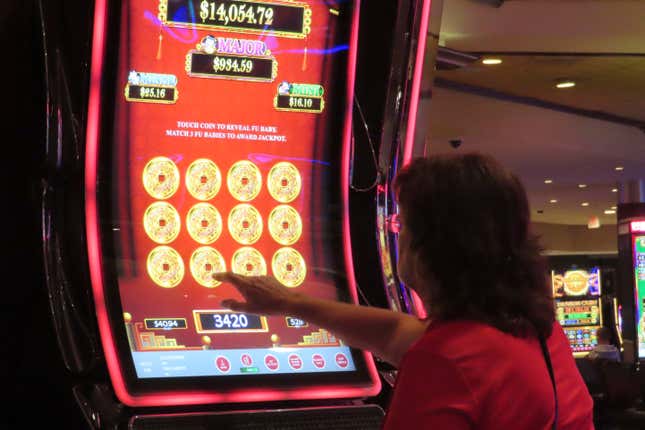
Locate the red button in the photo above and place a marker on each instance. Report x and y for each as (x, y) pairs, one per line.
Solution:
(318, 360)
(295, 362)
(271, 362)
(223, 364)
(341, 360)
(246, 360)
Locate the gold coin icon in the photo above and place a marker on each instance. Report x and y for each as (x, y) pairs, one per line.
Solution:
(244, 180)
(203, 263)
(288, 267)
(203, 179)
(249, 262)
(284, 182)
(285, 225)
(161, 222)
(204, 223)
(165, 267)
(245, 224)
(161, 178)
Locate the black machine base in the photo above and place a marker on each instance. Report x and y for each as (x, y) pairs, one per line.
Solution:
(102, 410)
(337, 418)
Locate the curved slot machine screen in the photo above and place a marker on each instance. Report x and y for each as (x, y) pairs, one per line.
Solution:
(227, 149)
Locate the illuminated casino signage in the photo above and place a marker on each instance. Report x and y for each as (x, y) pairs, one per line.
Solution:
(574, 283)
(578, 312)
(637, 226)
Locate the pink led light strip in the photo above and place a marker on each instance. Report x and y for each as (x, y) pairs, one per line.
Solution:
(412, 112)
(416, 82)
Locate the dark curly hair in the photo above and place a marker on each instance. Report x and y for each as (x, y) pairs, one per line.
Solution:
(468, 218)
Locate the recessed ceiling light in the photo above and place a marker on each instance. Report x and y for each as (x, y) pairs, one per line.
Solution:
(553, 201)
(582, 185)
(614, 190)
(614, 207)
(565, 84)
(584, 204)
(492, 61)
(619, 168)
(548, 181)
(609, 211)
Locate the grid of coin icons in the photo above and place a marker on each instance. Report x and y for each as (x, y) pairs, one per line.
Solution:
(205, 223)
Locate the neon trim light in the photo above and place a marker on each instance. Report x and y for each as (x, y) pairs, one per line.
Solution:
(412, 113)
(416, 82)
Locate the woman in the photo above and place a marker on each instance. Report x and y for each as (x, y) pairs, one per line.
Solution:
(477, 362)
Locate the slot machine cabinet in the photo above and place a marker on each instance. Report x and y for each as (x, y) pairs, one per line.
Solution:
(578, 304)
(597, 306)
(216, 135)
(631, 280)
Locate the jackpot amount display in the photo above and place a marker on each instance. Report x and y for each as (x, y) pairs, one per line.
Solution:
(228, 149)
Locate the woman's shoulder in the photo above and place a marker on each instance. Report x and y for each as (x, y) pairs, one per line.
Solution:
(460, 328)
(440, 335)
(459, 338)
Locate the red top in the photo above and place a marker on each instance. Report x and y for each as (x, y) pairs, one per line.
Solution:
(466, 375)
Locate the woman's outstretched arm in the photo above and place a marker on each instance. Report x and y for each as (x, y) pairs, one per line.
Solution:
(385, 333)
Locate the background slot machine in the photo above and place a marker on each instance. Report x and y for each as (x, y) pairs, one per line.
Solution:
(631, 254)
(638, 263)
(217, 136)
(578, 304)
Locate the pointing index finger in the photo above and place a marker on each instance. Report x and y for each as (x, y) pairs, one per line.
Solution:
(231, 277)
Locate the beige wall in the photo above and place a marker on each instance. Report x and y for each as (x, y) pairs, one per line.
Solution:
(576, 239)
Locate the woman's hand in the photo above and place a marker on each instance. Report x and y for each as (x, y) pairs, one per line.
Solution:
(263, 295)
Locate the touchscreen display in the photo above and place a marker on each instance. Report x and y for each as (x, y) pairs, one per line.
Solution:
(227, 156)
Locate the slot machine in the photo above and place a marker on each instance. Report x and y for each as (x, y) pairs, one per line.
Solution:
(631, 276)
(577, 293)
(637, 230)
(218, 136)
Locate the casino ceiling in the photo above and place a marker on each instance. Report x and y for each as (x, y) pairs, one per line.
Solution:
(575, 137)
